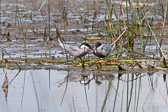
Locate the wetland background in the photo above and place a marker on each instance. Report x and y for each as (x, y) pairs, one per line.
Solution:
(37, 77)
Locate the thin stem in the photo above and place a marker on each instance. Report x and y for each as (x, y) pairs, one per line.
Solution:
(140, 28)
(0, 16)
(163, 27)
(86, 97)
(138, 94)
(35, 90)
(105, 99)
(127, 107)
(128, 38)
(49, 20)
(65, 88)
(122, 95)
(118, 83)
(136, 25)
(23, 87)
(154, 37)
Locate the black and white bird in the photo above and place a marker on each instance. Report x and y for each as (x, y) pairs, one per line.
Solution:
(103, 50)
(76, 51)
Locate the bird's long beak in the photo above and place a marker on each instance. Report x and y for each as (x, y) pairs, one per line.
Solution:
(93, 49)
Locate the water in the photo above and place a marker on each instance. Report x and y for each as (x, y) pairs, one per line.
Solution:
(44, 87)
(50, 90)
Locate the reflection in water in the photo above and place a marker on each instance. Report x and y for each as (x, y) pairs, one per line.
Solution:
(5, 90)
(84, 77)
(74, 76)
(36, 93)
(23, 88)
(5, 85)
(83, 90)
(165, 80)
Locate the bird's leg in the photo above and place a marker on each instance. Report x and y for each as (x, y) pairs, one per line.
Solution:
(83, 63)
(99, 66)
(80, 59)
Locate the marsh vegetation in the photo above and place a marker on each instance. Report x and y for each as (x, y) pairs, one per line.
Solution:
(38, 75)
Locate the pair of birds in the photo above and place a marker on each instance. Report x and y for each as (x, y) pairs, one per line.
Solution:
(100, 50)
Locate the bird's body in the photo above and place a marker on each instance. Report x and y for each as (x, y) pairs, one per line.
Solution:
(76, 51)
(103, 50)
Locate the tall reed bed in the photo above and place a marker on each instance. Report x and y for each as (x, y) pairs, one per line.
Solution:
(137, 18)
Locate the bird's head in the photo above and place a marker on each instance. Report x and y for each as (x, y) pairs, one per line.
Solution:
(98, 44)
(86, 46)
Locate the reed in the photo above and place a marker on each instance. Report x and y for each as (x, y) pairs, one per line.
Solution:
(106, 96)
(135, 96)
(87, 100)
(110, 20)
(137, 103)
(127, 95)
(22, 30)
(136, 27)
(163, 26)
(140, 28)
(73, 104)
(127, 23)
(0, 15)
(24, 82)
(36, 94)
(115, 99)
(49, 20)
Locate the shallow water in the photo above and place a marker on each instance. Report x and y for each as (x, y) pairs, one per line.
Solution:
(47, 87)
(53, 90)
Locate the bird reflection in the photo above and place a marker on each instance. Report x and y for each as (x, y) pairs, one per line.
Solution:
(85, 80)
(76, 76)
(98, 79)
(85, 77)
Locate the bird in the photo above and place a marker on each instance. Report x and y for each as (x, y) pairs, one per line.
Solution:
(103, 50)
(76, 51)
